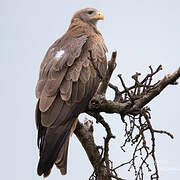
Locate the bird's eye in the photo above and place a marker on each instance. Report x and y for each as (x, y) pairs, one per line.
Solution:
(90, 12)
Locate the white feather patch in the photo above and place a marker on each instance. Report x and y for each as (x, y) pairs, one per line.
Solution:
(59, 54)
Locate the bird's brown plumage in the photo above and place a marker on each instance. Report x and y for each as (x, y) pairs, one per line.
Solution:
(67, 81)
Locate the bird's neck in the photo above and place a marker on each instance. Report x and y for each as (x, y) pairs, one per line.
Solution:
(78, 27)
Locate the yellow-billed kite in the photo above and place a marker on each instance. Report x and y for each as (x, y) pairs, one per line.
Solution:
(67, 82)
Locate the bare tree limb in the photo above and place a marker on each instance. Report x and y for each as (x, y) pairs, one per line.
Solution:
(111, 66)
(85, 136)
(100, 104)
(130, 103)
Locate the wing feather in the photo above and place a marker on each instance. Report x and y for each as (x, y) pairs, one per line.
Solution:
(85, 74)
(39, 88)
(45, 102)
(54, 81)
(65, 86)
(74, 71)
(50, 116)
(66, 89)
(81, 91)
(74, 92)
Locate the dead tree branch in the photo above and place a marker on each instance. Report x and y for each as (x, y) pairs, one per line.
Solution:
(105, 81)
(100, 104)
(130, 104)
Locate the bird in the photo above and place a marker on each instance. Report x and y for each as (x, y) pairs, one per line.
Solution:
(68, 79)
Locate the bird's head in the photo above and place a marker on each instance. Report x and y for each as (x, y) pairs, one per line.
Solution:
(89, 15)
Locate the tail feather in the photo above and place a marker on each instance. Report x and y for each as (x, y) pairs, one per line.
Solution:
(41, 129)
(52, 145)
(61, 162)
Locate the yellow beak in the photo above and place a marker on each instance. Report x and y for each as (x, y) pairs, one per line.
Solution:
(99, 16)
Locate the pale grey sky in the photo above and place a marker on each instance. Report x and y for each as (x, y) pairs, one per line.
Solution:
(144, 32)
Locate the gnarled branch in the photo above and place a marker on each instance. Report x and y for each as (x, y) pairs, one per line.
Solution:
(130, 102)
